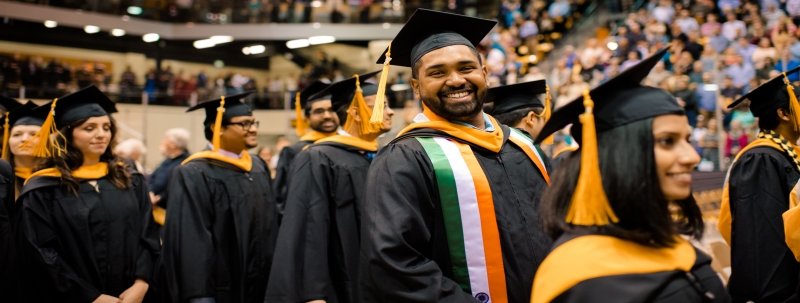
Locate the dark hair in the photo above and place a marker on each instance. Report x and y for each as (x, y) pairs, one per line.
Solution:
(769, 119)
(119, 172)
(208, 129)
(513, 117)
(416, 65)
(627, 164)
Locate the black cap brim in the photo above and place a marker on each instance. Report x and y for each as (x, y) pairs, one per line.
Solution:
(512, 97)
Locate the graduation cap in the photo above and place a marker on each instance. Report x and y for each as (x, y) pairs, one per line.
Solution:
(9, 104)
(620, 101)
(222, 109)
(426, 31)
(301, 100)
(769, 96)
(83, 104)
(512, 97)
(26, 114)
(350, 93)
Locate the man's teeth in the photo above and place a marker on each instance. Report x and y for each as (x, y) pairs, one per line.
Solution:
(458, 95)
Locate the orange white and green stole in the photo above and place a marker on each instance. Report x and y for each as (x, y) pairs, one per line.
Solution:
(526, 144)
(473, 237)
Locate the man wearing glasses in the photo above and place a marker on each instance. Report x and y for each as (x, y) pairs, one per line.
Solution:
(222, 220)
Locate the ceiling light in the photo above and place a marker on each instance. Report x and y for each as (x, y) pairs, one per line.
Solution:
(321, 40)
(220, 39)
(205, 43)
(298, 43)
(246, 50)
(134, 10)
(118, 32)
(50, 24)
(316, 3)
(91, 29)
(151, 37)
(257, 49)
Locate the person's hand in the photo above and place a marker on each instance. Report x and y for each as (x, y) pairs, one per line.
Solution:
(154, 198)
(106, 299)
(135, 294)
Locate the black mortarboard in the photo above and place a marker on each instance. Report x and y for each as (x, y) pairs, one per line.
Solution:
(85, 103)
(9, 104)
(768, 96)
(618, 101)
(28, 114)
(512, 97)
(342, 92)
(65, 111)
(311, 91)
(428, 30)
(234, 107)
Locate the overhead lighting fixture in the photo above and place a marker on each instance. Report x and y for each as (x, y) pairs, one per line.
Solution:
(151, 37)
(91, 29)
(205, 43)
(118, 32)
(298, 43)
(134, 10)
(254, 49)
(220, 39)
(50, 24)
(315, 40)
(316, 3)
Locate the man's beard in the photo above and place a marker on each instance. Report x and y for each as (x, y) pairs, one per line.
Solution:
(318, 126)
(460, 111)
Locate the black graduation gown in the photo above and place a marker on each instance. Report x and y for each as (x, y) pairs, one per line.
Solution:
(763, 269)
(405, 256)
(318, 244)
(7, 214)
(220, 232)
(96, 242)
(283, 170)
(661, 287)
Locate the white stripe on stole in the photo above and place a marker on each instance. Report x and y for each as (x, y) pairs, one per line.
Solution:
(528, 142)
(470, 217)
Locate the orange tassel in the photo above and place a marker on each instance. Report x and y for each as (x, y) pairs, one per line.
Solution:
(794, 105)
(6, 136)
(362, 111)
(218, 125)
(589, 205)
(48, 146)
(548, 111)
(380, 99)
(301, 125)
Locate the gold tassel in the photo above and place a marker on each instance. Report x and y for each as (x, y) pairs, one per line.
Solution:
(6, 136)
(380, 99)
(794, 105)
(300, 118)
(548, 111)
(589, 205)
(362, 111)
(44, 148)
(218, 125)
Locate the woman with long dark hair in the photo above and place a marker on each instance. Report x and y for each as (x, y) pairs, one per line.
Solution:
(618, 208)
(86, 214)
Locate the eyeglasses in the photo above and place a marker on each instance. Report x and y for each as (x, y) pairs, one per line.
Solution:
(246, 124)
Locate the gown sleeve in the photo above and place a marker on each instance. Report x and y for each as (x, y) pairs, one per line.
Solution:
(39, 231)
(396, 233)
(300, 269)
(150, 245)
(188, 241)
(759, 196)
(282, 170)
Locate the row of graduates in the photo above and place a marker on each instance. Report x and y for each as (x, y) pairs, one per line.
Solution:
(458, 208)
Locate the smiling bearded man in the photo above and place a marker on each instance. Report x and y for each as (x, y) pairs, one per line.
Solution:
(450, 206)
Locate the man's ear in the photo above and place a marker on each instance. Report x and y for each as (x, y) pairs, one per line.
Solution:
(415, 87)
(784, 115)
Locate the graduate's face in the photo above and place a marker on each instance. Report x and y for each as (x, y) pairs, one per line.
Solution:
(236, 138)
(322, 117)
(387, 113)
(93, 136)
(675, 156)
(451, 81)
(22, 139)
